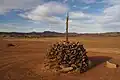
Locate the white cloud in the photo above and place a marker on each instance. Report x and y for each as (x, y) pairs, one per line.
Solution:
(74, 6)
(108, 20)
(47, 12)
(79, 15)
(112, 2)
(86, 7)
(80, 21)
(14, 27)
(89, 1)
(7, 5)
(64, 1)
(113, 12)
(109, 15)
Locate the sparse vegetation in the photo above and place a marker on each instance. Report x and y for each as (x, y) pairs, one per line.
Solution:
(52, 34)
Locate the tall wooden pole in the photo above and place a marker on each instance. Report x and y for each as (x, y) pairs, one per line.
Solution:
(67, 18)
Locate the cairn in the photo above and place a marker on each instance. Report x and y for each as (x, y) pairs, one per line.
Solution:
(68, 54)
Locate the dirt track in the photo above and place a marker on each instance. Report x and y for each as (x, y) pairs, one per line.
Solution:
(23, 61)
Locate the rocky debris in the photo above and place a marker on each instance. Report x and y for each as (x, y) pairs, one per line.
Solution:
(111, 65)
(68, 56)
(10, 44)
(90, 64)
(66, 69)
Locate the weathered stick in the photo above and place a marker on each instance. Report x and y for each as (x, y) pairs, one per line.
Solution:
(67, 18)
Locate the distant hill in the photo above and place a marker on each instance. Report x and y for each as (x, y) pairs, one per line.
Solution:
(53, 34)
(112, 34)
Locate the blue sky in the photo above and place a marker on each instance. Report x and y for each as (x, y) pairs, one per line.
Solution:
(86, 16)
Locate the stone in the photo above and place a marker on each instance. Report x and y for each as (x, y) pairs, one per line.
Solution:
(66, 69)
(10, 44)
(73, 65)
(69, 54)
(111, 65)
(90, 64)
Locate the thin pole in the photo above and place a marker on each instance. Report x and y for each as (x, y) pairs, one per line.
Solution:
(67, 18)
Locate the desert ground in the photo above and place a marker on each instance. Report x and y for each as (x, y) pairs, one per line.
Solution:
(24, 60)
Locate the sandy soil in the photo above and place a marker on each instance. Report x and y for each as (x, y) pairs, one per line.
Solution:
(24, 60)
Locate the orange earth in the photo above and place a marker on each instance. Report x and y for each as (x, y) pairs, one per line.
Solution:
(24, 60)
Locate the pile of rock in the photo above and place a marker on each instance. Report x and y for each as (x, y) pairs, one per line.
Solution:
(68, 55)
(10, 45)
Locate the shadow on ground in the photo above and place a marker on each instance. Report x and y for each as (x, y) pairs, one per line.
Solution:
(97, 60)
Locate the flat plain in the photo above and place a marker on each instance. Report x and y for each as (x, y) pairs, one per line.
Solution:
(24, 60)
